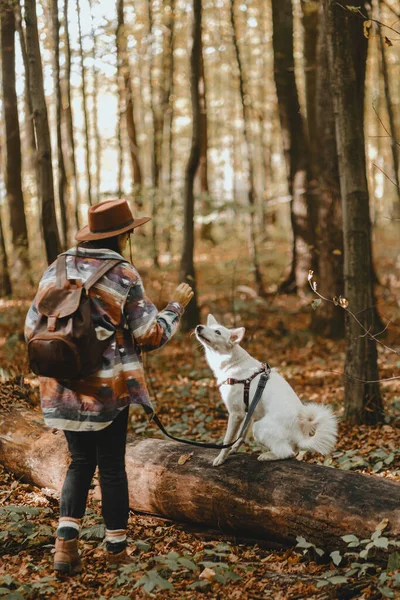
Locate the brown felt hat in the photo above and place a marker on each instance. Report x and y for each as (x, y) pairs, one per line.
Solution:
(107, 219)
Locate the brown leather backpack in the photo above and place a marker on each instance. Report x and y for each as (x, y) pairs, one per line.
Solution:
(64, 344)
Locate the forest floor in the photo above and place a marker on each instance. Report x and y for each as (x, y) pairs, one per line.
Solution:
(174, 560)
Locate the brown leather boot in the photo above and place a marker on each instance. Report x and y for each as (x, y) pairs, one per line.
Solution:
(66, 558)
(121, 558)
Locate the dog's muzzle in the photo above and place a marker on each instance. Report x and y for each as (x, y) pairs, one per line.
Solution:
(198, 333)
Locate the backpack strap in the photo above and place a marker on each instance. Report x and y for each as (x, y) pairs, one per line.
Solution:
(61, 271)
(107, 266)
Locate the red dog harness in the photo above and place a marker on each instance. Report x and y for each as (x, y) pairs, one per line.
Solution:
(265, 368)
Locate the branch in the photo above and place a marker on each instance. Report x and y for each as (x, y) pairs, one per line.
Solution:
(361, 380)
(356, 11)
(384, 126)
(343, 303)
(386, 175)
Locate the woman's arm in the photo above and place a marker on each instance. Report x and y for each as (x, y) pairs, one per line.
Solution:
(150, 328)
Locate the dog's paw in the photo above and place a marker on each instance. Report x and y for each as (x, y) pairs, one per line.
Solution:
(218, 461)
(267, 456)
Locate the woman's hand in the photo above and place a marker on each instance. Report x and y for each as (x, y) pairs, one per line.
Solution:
(183, 294)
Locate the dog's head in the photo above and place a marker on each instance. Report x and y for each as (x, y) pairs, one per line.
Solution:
(218, 338)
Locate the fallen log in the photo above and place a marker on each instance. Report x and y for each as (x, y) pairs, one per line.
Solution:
(274, 501)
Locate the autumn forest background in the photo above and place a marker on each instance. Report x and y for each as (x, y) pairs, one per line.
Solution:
(263, 138)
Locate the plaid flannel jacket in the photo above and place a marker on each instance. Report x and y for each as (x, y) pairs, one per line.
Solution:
(122, 313)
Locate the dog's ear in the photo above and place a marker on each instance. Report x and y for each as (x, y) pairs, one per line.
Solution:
(211, 320)
(237, 335)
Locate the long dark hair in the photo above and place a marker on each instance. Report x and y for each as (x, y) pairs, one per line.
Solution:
(111, 243)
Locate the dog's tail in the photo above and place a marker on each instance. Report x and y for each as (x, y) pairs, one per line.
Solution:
(318, 426)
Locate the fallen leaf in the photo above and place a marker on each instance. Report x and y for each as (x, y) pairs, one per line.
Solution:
(366, 27)
(208, 574)
(184, 458)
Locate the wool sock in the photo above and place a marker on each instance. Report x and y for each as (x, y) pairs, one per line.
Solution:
(68, 528)
(116, 540)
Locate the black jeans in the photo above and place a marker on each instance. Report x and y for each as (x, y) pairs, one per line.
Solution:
(105, 448)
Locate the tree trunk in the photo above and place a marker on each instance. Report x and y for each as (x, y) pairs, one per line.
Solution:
(156, 147)
(251, 192)
(206, 227)
(62, 177)
(394, 142)
(191, 316)
(5, 281)
(85, 107)
(13, 143)
(97, 137)
(328, 319)
(169, 123)
(347, 51)
(275, 501)
(68, 115)
(126, 99)
(46, 184)
(295, 145)
(29, 124)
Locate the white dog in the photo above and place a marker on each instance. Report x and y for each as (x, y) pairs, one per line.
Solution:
(282, 425)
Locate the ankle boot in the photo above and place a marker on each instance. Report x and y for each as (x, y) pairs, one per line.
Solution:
(66, 558)
(119, 558)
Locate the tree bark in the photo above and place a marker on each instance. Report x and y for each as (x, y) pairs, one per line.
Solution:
(295, 145)
(328, 319)
(69, 116)
(169, 123)
(13, 179)
(62, 176)
(251, 191)
(275, 501)
(206, 227)
(191, 316)
(95, 92)
(85, 107)
(46, 184)
(29, 124)
(156, 145)
(126, 99)
(5, 281)
(394, 142)
(347, 51)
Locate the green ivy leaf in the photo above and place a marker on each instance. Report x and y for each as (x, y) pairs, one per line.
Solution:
(187, 563)
(337, 579)
(381, 542)
(387, 592)
(302, 543)
(393, 563)
(153, 579)
(316, 303)
(336, 557)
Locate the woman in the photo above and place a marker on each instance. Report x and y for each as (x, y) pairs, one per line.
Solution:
(93, 412)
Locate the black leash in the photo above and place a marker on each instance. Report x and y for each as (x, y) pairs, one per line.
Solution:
(256, 399)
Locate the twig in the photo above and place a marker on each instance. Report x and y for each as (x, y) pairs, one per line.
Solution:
(386, 175)
(361, 380)
(360, 14)
(384, 126)
(313, 285)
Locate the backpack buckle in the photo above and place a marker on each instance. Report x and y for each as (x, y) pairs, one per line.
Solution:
(52, 322)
